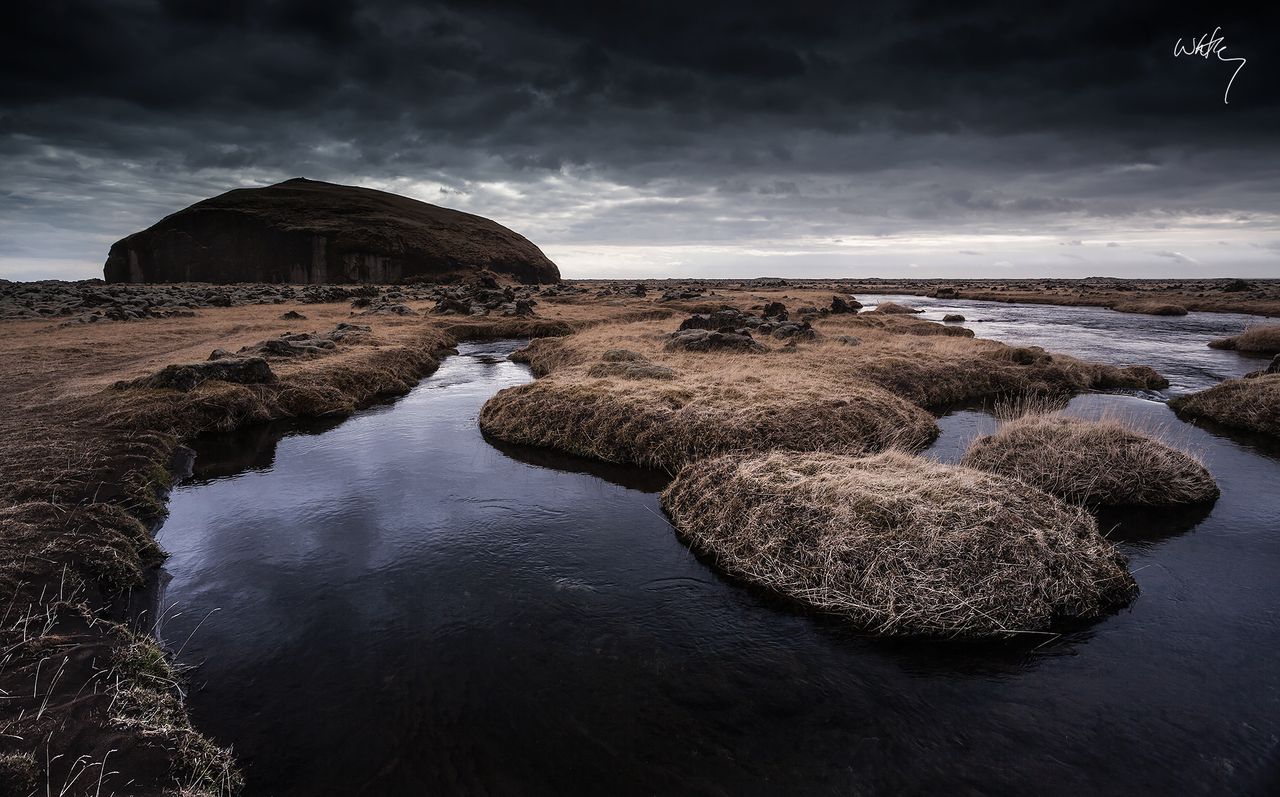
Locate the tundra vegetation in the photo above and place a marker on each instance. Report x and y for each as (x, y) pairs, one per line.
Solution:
(899, 544)
(746, 386)
(1262, 339)
(1097, 463)
(1251, 404)
(96, 414)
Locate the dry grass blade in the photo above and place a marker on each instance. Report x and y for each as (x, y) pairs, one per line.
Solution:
(898, 544)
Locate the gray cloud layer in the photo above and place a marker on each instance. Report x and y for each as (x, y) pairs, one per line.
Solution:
(664, 138)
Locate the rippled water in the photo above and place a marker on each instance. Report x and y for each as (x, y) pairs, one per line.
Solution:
(1176, 346)
(393, 606)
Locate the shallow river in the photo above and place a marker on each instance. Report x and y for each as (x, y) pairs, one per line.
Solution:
(391, 605)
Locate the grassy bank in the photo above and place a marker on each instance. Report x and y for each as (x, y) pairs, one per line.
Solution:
(84, 478)
(86, 462)
(861, 386)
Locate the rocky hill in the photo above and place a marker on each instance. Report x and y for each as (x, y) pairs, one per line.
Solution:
(306, 231)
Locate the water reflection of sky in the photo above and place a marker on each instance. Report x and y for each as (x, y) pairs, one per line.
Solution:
(1176, 346)
(405, 609)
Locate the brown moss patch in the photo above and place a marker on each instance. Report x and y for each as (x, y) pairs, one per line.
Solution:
(898, 544)
(1094, 462)
(1257, 340)
(1252, 405)
(669, 423)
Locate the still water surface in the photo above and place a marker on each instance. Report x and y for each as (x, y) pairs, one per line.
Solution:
(392, 605)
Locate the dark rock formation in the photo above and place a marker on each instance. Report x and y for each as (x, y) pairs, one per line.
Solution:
(298, 344)
(953, 318)
(705, 340)
(795, 330)
(841, 305)
(304, 231)
(185, 378)
(720, 319)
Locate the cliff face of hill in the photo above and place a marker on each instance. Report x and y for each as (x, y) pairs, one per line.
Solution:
(305, 231)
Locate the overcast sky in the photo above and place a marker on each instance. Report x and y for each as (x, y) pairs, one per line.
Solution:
(667, 138)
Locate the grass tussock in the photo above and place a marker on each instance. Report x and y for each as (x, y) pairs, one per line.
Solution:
(898, 544)
(618, 393)
(1262, 339)
(906, 325)
(1092, 462)
(667, 423)
(1252, 405)
(1150, 307)
(893, 308)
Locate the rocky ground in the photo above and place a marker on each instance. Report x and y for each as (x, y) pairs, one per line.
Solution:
(1166, 297)
(94, 301)
(104, 381)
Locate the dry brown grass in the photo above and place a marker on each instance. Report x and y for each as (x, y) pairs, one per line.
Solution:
(927, 368)
(1150, 307)
(820, 396)
(80, 465)
(667, 423)
(1262, 297)
(893, 308)
(80, 470)
(1252, 405)
(898, 544)
(1093, 462)
(1262, 339)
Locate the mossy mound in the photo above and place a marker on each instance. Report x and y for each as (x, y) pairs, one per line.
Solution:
(660, 423)
(1252, 405)
(1098, 463)
(898, 544)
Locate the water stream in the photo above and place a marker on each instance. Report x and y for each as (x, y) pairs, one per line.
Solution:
(392, 605)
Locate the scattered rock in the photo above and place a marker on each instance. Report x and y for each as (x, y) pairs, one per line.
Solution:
(293, 315)
(303, 344)
(388, 308)
(706, 340)
(841, 305)
(481, 301)
(776, 311)
(185, 378)
(953, 318)
(726, 318)
(795, 331)
(849, 340)
(677, 294)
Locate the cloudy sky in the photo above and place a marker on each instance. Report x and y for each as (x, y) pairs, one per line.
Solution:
(668, 138)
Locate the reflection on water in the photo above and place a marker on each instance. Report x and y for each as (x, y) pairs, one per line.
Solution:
(1175, 346)
(407, 609)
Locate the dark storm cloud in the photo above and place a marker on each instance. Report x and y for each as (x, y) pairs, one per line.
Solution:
(762, 119)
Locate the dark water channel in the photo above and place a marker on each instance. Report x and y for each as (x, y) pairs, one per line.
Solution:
(391, 605)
